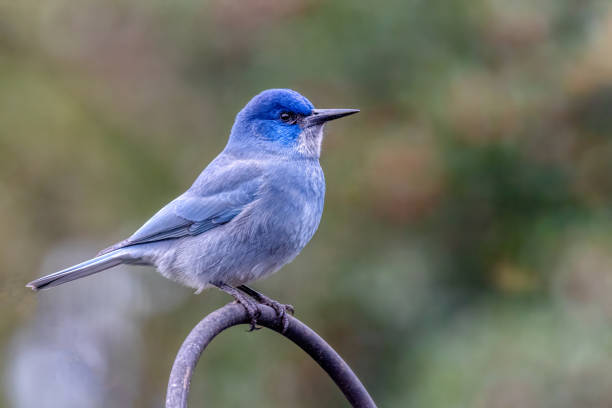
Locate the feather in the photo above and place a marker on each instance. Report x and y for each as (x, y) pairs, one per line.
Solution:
(217, 196)
(89, 267)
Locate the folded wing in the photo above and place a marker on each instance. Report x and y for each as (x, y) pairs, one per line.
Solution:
(215, 199)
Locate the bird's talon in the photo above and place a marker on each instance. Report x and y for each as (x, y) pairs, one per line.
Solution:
(285, 323)
(251, 307)
(253, 326)
(290, 309)
(281, 310)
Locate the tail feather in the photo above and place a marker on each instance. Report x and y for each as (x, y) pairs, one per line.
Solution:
(94, 265)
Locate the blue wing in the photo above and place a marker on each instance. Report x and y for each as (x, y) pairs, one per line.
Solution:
(218, 195)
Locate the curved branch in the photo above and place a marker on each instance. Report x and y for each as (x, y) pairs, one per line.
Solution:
(234, 314)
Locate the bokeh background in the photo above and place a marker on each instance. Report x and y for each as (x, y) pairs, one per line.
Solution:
(464, 255)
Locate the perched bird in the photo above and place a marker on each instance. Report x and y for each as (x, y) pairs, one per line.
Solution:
(250, 212)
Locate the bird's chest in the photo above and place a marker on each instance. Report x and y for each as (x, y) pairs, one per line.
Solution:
(291, 206)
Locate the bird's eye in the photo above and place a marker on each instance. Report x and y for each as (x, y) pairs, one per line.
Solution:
(286, 116)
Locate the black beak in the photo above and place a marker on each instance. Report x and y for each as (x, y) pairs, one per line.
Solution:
(320, 116)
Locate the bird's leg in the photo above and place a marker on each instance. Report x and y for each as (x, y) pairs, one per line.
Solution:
(252, 308)
(280, 309)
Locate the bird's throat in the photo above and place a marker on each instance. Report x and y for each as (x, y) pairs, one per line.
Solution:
(309, 144)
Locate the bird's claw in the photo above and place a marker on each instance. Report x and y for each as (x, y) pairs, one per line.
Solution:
(281, 310)
(253, 311)
(251, 300)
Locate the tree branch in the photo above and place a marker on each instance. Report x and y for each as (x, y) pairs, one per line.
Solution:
(234, 314)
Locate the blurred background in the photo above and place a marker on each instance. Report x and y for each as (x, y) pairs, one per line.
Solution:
(464, 256)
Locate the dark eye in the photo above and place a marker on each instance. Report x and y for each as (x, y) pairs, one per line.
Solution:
(286, 116)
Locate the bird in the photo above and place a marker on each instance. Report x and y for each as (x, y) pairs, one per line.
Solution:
(250, 212)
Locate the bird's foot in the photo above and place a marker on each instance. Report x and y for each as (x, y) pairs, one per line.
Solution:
(252, 309)
(249, 304)
(282, 310)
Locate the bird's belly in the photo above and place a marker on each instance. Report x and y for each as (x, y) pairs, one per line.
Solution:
(248, 248)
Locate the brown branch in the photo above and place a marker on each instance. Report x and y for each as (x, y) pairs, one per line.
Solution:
(234, 314)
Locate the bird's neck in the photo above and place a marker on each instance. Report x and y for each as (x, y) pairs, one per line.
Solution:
(307, 148)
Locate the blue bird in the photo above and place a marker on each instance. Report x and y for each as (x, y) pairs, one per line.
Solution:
(251, 211)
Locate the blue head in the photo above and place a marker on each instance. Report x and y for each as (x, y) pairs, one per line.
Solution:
(281, 121)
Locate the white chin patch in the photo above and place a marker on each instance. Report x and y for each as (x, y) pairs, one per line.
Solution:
(310, 141)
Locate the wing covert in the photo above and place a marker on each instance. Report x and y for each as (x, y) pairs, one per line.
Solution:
(215, 199)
